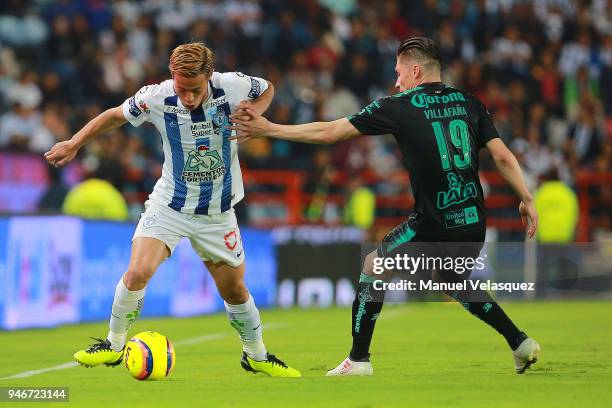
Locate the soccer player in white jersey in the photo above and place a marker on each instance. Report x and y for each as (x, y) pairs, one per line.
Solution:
(194, 198)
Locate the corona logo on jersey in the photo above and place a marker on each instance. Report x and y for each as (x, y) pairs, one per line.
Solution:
(149, 356)
(203, 164)
(422, 100)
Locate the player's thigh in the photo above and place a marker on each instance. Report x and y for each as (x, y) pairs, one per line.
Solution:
(401, 242)
(216, 239)
(230, 281)
(147, 254)
(463, 250)
(157, 234)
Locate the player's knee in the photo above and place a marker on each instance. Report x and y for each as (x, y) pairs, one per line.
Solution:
(235, 294)
(368, 264)
(137, 275)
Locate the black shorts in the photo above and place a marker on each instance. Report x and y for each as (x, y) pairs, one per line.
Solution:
(408, 239)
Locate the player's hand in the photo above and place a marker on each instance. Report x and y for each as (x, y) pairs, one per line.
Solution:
(248, 125)
(529, 217)
(247, 105)
(61, 153)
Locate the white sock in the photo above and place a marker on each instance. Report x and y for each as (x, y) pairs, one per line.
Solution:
(245, 319)
(126, 308)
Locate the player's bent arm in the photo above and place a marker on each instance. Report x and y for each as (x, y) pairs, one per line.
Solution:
(510, 170)
(509, 167)
(63, 152)
(263, 101)
(260, 104)
(106, 121)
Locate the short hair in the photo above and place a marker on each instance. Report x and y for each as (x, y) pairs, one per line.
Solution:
(191, 60)
(423, 50)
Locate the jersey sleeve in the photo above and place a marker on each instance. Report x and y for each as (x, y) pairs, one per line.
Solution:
(374, 119)
(136, 109)
(242, 87)
(486, 129)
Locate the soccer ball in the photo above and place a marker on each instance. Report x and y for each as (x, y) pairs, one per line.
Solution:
(149, 356)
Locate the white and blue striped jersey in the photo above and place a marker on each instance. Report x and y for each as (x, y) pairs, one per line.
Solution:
(201, 173)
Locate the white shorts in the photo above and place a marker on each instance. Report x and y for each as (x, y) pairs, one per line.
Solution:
(214, 237)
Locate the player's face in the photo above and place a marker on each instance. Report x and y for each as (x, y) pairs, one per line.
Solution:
(191, 91)
(407, 75)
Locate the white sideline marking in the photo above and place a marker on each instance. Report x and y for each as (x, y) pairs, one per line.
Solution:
(30, 373)
(184, 342)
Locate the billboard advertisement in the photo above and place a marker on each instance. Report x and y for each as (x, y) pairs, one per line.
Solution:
(56, 270)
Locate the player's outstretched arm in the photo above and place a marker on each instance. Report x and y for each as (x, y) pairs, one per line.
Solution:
(260, 104)
(509, 167)
(249, 125)
(63, 152)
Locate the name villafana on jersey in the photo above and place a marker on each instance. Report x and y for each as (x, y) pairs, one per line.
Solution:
(201, 173)
(439, 130)
(422, 100)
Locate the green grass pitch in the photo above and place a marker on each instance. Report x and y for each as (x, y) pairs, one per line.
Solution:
(433, 354)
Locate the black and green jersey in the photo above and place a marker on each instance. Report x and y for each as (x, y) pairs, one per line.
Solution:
(439, 130)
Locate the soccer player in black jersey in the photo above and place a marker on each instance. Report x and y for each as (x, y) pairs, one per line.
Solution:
(439, 130)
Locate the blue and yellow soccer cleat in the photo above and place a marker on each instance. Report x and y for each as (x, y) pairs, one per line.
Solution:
(99, 353)
(271, 366)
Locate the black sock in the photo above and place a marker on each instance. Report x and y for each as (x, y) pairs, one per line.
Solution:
(491, 313)
(366, 307)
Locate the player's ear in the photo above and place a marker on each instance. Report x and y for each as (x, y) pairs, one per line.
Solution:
(416, 70)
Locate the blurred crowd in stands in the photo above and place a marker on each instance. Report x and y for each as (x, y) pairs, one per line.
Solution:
(543, 68)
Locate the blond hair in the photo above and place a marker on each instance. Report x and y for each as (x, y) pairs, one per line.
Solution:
(191, 60)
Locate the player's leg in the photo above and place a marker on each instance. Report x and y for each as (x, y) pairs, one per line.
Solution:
(480, 304)
(368, 303)
(241, 310)
(157, 234)
(216, 239)
(365, 311)
(245, 319)
(147, 254)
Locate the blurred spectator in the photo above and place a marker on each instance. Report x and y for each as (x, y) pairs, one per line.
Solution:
(550, 81)
(21, 129)
(360, 206)
(543, 68)
(557, 207)
(576, 54)
(52, 199)
(96, 199)
(511, 53)
(584, 136)
(319, 185)
(579, 86)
